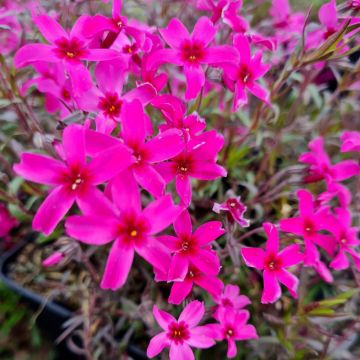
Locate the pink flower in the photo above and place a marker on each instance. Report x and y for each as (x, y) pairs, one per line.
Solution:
(72, 180)
(346, 239)
(191, 52)
(231, 299)
(235, 208)
(274, 263)
(214, 6)
(320, 166)
(232, 327)
(68, 48)
(53, 259)
(308, 224)
(7, 222)
(190, 248)
(132, 228)
(107, 98)
(180, 334)
(242, 76)
(231, 17)
(198, 161)
(350, 141)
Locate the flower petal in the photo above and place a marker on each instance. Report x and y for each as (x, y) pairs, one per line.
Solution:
(31, 53)
(183, 225)
(149, 179)
(144, 93)
(289, 280)
(157, 344)
(290, 256)
(253, 257)
(178, 268)
(272, 243)
(195, 80)
(50, 29)
(175, 33)
(117, 266)
(221, 54)
(345, 169)
(179, 291)
(204, 170)
(180, 352)
(40, 169)
(192, 313)
(292, 225)
(272, 290)
(52, 210)
(199, 338)
(204, 31)
(208, 232)
(163, 318)
(183, 188)
(73, 141)
(207, 261)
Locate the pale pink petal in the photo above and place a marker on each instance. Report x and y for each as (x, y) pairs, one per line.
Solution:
(272, 243)
(125, 192)
(272, 290)
(161, 213)
(31, 53)
(92, 229)
(208, 232)
(182, 225)
(40, 169)
(179, 291)
(183, 188)
(199, 338)
(50, 29)
(289, 280)
(175, 33)
(109, 163)
(157, 344)
(195, 80)
(178, 269)
(204, 31)
(165, 146)
(149, 179)
(163, 318)
(253, 257)
(290, 256)
(133, 123)
(181, 352)
(52, 210)
(117, 266)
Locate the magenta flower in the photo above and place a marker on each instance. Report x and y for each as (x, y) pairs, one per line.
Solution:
(131, 228)
(74, 179)
(308, 224)
(350, 141)
(242, 75)
(274, 263)
(235, 209)
(107, 98)
(180, 334)
(231, 17)
(231, 299)
(232, 327)
(53, 259)
(191, 52)
(320, 166)
(198, 161)
(214, 6)
(69, 47)
(346, 239)
(190, 248)
(162, 147)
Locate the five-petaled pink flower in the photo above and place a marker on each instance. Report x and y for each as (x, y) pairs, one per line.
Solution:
(132, 228)
(274, 263)
(69, 47)
(320, 166)
(241, 76)
(235, 209)
(191, 52)
(308, 224)
(74, 179)
(180, 334)
(232, 327)
(198, 161)
(190, 248)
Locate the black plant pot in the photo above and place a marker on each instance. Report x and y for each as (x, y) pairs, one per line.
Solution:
(53, 315)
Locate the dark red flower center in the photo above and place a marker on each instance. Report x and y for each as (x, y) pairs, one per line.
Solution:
(227, 302)
(110, 104)
(65, 94)
(178, 332)
(72, 49)
(186, 244)
(272, 263)
(309, 227)
(244, 74)
(192, 51)
(229, 332)
(132, 228)
(329, 32)
(75, 178)
(130, 49)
